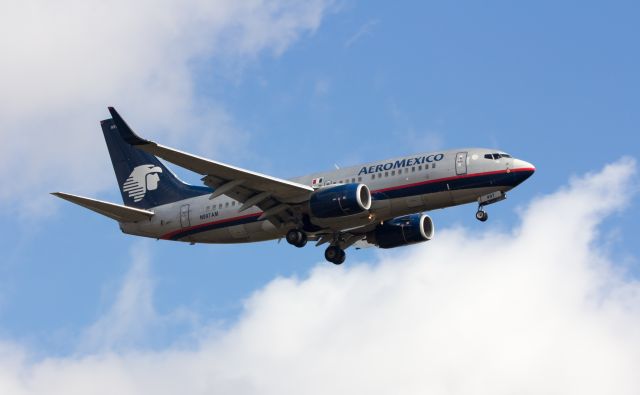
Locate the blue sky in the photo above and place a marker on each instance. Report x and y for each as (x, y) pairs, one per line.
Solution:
(554, 83)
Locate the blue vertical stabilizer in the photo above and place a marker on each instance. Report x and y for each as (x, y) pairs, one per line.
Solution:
(143, 180)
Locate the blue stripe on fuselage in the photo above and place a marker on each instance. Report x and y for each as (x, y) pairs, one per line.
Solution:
(494, 179)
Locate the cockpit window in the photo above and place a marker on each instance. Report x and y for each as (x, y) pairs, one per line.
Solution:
(496, 156)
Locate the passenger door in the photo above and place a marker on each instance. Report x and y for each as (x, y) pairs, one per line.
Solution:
(461, 163)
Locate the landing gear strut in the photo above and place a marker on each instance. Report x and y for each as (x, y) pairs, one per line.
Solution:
(481, 215)
(335, 255)
(296, 238)
(493, 197)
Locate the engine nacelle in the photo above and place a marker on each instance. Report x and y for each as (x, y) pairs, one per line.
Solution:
(340, 201)
(402, 231)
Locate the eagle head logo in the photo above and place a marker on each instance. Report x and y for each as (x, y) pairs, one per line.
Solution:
(143, 178)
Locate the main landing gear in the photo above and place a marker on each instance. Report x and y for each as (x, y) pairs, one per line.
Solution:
(335, 255)
(296, 238)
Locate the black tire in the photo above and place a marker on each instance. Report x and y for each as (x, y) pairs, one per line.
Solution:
(294, 237)
(341, 258)
(303, 240)
(334, 255)
(482, 216)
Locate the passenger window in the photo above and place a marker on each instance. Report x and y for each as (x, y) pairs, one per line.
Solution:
(233, 203)
(373, 176)
(413, 169)
(226, 204)
(359, 179)
(393, 172)
(420, 168)
(386, 174)
(353, 180)
(433, 165)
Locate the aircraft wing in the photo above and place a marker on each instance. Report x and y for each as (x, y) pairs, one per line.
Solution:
(273, 195)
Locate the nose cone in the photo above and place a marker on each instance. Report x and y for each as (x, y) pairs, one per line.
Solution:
(522, 170)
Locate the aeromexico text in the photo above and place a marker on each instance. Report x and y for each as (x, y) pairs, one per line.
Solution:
(401, 163)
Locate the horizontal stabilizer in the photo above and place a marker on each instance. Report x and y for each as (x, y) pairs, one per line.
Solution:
(114, 211)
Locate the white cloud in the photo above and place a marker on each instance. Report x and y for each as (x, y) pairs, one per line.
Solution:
(64, 62)
(537, 309)
(364, 30)
(132, 321)
(132, 314)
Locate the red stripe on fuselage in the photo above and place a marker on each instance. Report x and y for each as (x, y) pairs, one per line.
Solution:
(175, 232)
(488, 173)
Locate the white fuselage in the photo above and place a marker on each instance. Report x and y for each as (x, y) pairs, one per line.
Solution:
(398, 186)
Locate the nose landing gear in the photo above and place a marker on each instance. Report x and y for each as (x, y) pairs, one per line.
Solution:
(481, 215)
(486, 200)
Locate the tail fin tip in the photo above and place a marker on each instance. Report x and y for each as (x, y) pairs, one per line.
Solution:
(125, 130)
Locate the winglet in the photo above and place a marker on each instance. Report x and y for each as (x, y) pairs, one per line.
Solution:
(125, 131)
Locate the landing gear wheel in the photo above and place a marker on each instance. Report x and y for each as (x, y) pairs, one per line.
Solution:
(482, 215)
(335, 255)
(296, 238)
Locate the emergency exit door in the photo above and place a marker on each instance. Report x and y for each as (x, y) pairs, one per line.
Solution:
(461, 163)
(184, 216)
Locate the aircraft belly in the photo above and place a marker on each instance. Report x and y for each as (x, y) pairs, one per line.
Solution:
(464, 196)
(250, 233)
(417, 203)
(381, 207)
(437, 200)
(238, 232)
(212, 236)
(406, 205)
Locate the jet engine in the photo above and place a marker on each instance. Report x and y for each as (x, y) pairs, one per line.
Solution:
(340, 201)
(402, 231)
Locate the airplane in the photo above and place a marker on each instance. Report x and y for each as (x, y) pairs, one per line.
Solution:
(379, 204)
